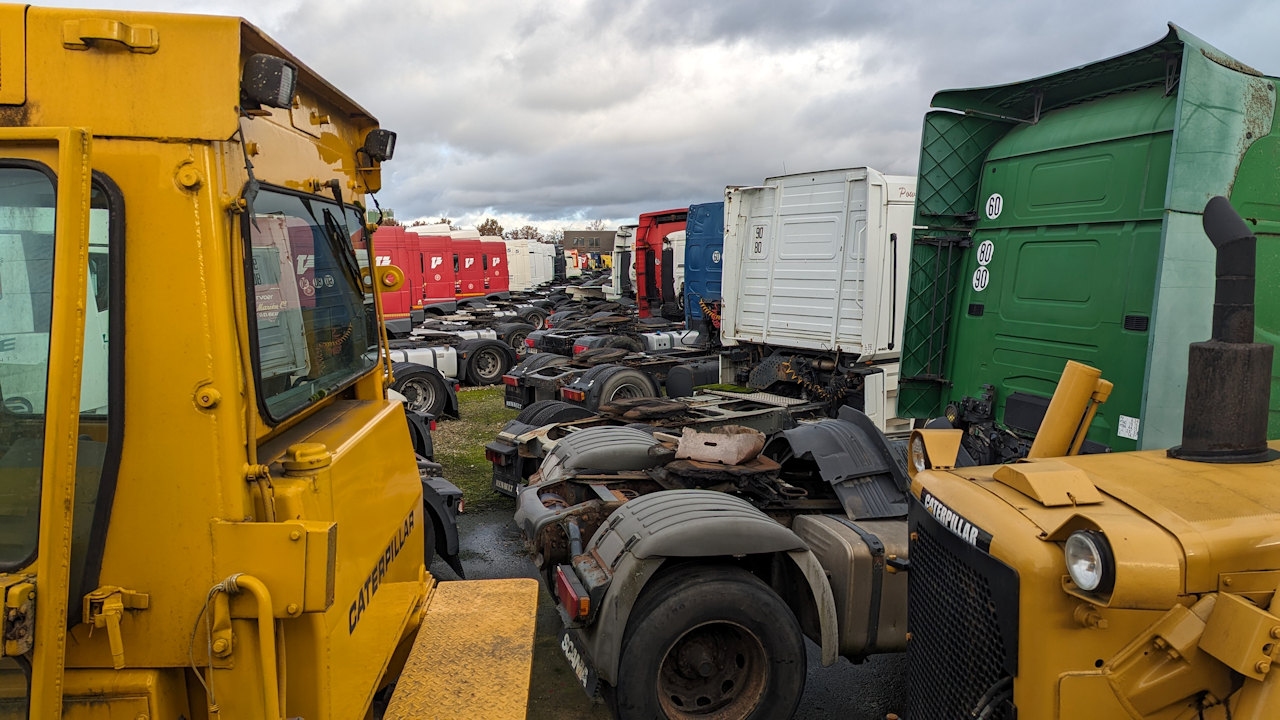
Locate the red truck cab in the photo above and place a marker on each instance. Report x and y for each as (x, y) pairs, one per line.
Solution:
(468, 269)
(402, 309)
(655, 282)
(439, 292)
(493, 259)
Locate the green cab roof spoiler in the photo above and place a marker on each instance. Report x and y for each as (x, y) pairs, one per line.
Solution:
(1025, 101)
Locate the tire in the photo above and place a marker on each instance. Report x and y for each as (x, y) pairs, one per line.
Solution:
(530, 411)
(537, 361)
(710, 641)
(487, 364)
(513, 334)
(558, 411)
(535, 317)
(621, 383)
(625, 342)
(424, 390)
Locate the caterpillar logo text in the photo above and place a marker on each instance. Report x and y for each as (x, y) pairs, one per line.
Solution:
(379, 569)
(956, 523)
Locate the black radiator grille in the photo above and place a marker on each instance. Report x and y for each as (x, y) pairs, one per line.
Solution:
(963, 621)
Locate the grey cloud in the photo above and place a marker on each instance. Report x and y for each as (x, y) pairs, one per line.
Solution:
(598, 108)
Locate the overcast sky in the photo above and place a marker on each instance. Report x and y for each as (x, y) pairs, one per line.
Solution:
(558, 112)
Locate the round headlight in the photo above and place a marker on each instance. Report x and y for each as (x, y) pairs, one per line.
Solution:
(1089, 561)
(915, 454)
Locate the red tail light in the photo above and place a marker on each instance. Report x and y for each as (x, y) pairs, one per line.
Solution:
(573, 597)
(573, 395)
(579, 349)
(510, 380)
(495, 457)
(457, 387)
(462, 505)
(433, 426)
(528, 342)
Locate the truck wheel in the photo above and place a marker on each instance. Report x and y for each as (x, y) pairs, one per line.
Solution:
(537, 361)
(486, 365)
(558, 411)
(513, 334)
(424, 390)
(536, 317)
(710, 641)
(624, 342)
(622, 383)
(528, 412)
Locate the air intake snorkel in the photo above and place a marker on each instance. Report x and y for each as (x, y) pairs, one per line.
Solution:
(1229, 375)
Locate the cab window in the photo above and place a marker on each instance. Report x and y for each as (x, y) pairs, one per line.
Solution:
(314, 323)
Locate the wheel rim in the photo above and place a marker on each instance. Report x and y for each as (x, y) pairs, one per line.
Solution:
(714, 669)
(536, 320)
(420, 393)
(628, 391)
(487, 363)
(517, 343)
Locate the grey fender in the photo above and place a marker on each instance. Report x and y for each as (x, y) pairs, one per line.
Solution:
(399, 326)
(440, 497)
(643, 534)
(824, 599)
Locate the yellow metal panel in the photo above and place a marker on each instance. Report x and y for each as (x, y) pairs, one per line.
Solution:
(354, 668)
(280, 554)
(69, 151)
(1050, 483)
(172, 91)
(13, 54)
(1088, 696)
(473, 653)
(124, 694)
(1241, 635)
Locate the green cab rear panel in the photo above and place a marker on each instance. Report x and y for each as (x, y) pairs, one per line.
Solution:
(1059, 219)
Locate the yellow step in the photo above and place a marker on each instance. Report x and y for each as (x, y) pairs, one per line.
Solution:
(473, 654)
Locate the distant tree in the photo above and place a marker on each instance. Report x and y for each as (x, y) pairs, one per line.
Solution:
(556, 236)
(416, 223)
(528, 232)
(447, 221)
(490, 227)
(595, 225)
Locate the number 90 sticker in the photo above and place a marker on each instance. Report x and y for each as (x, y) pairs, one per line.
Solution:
(995, 204)
(980, 278)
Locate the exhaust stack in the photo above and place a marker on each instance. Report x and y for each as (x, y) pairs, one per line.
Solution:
(1229, 375)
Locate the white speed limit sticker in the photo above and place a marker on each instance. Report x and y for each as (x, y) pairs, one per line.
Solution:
(986, 250)
(980, 278)
(995, 204)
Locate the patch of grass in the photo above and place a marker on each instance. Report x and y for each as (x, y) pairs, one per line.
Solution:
(459, 444)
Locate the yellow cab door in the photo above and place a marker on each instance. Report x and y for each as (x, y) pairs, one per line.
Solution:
(45, 182)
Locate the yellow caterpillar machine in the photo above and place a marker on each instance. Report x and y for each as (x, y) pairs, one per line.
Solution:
(1126, 585)
(200, 468)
